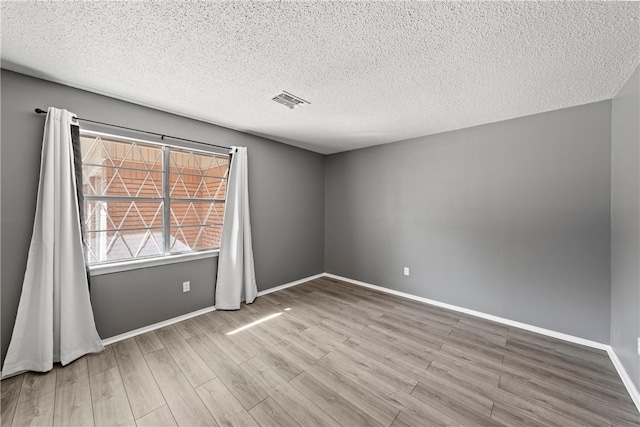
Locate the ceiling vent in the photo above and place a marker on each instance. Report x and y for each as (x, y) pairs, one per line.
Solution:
(288, 100)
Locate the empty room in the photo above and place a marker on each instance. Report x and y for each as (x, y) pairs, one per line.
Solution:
(349, 213)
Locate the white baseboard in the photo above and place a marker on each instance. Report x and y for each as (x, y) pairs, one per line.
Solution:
(155, 326)
(290, 284)
(543, 331)
(633, 391)
(171, 321)
(624, 376)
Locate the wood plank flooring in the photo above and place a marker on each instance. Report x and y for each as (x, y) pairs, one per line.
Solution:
(328, 353)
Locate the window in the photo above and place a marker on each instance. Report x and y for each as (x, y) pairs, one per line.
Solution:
(144, 200)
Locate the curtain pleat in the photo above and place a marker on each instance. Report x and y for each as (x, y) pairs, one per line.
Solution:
(55, 320)
(236, 281)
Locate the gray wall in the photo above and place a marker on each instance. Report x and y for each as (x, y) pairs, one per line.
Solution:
(625, 226)
(509, 218)
(287, 208)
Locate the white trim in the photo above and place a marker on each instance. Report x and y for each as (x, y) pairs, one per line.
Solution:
(117, 267)
(626, 380)
(537, 329)
(290, 284)
(168, 322)
(155, 326)
(624, 376)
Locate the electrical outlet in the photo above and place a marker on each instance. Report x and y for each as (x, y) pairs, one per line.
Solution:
(406, 271)
(186, 286)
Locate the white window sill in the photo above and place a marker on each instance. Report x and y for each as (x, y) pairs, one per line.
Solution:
(116, 267)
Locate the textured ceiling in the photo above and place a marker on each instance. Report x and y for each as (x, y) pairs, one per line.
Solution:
(374, 72)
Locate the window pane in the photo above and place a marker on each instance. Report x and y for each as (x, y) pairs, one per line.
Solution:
(101, 215)
(106, 246)
(189, 187)
(117, 168)
(118, 182)
(186, 161)
(217, 187)
(119, 226)
(196, 213)
(185, 186)
(186, 239)
(109, 152)
(216, 166)
(195, 175)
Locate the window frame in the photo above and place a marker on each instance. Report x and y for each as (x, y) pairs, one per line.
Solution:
(166, 258)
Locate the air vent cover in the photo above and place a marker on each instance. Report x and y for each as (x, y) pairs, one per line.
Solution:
(289, 100)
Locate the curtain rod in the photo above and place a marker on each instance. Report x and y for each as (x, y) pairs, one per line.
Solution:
(162, 136)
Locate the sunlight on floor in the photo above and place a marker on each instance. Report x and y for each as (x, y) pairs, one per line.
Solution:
(257, 322)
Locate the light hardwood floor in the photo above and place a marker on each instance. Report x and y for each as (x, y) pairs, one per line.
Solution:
(328, 353)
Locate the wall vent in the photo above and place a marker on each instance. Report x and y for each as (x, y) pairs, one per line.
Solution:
(289, 100)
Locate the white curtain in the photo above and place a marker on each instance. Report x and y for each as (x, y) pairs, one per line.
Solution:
(236, 273)
(55, 320)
